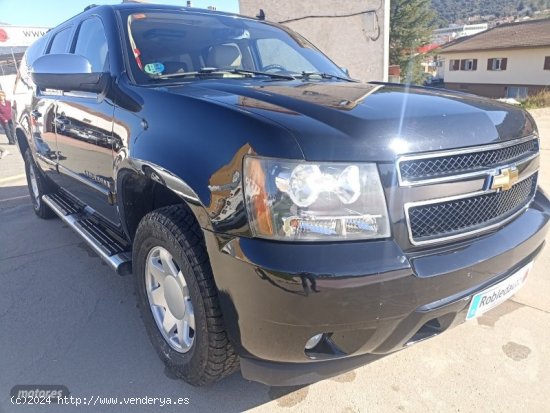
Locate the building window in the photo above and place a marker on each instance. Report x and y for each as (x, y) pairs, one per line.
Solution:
(454, 64)
(497, 64)
(547, 63)
(517, 92)
(468, 64)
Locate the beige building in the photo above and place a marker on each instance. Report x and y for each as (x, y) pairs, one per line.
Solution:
(353, 33)
(511, 60)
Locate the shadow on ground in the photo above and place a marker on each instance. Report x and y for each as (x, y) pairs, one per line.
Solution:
(67, 319)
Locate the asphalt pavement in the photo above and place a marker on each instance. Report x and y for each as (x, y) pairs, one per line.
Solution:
(67, 319)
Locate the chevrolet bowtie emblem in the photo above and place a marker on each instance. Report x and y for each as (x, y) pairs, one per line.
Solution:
(506, 179)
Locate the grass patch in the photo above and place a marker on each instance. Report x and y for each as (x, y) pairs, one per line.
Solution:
(539, 100)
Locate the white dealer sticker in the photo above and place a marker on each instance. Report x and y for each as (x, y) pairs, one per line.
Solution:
(497, 294)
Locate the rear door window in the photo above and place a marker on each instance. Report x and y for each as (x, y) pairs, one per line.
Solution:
(91, 43)
(60, 42)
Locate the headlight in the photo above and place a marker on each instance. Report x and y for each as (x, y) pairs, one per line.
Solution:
(301, 201)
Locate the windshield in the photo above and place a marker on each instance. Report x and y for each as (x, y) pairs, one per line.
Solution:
(164, 43)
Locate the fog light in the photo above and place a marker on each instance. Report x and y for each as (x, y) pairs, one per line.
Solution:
(313, 341)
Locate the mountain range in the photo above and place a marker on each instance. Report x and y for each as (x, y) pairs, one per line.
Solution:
(458, 11)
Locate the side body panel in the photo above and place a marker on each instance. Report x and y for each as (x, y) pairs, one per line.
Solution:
(84, 141)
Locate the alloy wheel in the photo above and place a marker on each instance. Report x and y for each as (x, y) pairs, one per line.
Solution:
(169, 299)
(34, 187)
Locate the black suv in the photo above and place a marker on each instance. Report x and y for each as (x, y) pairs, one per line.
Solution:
(275, 213)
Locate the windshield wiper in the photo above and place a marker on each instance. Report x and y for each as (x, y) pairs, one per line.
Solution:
(322, 75)
(205, 71)
(258, 73)
(201, 72)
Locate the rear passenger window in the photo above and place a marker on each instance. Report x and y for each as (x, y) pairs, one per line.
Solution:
(92, 44)
(60, 41)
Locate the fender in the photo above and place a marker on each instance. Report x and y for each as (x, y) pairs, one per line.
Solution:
(152, 172)
(173, 137)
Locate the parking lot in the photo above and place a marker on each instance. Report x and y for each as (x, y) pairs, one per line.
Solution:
(67, 319)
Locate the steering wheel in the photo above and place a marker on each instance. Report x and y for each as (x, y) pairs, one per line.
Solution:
(274, 66)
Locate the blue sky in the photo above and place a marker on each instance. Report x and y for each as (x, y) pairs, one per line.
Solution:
(49, 13)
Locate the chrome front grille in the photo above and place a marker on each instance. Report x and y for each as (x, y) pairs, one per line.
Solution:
(440, 165)
(501, 181)
(452, 217)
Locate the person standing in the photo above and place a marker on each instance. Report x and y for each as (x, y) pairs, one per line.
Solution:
(5, 118)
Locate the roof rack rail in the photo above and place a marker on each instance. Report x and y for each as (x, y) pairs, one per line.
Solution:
(91, 6)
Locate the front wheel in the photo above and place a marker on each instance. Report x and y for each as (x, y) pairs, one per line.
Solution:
(38, 186)
(178, 298)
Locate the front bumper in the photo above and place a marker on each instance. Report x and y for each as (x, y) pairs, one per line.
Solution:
(368, 297)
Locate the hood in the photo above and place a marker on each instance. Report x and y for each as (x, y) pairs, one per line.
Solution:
(341, 121)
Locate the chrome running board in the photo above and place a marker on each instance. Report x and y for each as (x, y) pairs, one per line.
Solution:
(101, 242)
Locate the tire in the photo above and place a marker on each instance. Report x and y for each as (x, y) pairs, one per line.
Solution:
(169, 239)
(38, 186)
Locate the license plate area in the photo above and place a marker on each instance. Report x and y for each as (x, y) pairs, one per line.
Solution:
(497, 294)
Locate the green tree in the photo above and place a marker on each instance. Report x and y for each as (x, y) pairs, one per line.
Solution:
(411, 24)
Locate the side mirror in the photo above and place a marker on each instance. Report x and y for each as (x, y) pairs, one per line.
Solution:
(345, 70)
(67, 72)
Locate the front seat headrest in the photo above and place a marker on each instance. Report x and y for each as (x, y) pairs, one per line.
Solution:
(224, 56)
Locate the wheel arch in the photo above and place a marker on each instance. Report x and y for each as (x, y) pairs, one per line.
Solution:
(22, 136)
(143, 187)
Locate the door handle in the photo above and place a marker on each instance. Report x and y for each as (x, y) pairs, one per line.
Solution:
(36, 114)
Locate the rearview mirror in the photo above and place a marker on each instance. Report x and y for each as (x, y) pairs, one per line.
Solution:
(67, 72)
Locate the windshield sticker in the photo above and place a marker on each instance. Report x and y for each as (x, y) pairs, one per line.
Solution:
(154, 68)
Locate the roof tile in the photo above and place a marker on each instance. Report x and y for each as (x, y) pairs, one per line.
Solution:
(532, 33)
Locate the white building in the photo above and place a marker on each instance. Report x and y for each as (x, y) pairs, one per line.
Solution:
(453, 32)
(510, 60)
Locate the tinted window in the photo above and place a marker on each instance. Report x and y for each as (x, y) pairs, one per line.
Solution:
(181, 41)
(92, 44)
(60, 41)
